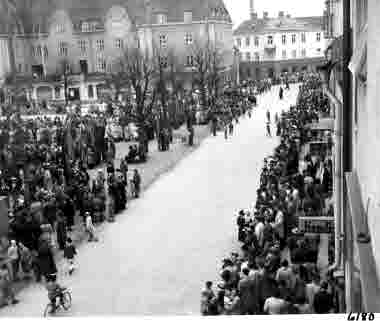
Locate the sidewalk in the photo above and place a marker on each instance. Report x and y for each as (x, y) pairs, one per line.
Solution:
(157, 164)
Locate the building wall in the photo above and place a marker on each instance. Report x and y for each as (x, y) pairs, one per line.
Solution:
(313, 47)
(5, 65)
(117, 26)
(368, 131)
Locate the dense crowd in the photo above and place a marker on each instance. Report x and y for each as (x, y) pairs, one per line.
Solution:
(276, 271)
(46, 185)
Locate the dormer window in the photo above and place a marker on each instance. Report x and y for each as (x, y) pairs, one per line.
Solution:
(188, 16)
(162, 19)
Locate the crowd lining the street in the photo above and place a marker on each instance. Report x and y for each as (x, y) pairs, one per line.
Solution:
(46, 185)
(276, 271)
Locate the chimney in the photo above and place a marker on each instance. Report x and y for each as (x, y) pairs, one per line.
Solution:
(281, 14)
(254, 16)
(265, 15)
(252, 9)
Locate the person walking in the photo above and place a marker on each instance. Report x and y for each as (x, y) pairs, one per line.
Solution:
(268, 130)
(90, 228)
(137, 183)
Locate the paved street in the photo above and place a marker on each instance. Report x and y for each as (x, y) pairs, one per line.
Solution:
(155, 259)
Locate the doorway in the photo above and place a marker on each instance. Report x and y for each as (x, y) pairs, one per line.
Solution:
(83, 66)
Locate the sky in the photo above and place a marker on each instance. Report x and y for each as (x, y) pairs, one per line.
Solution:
(239, 9)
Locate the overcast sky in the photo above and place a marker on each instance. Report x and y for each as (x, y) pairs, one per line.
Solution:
(239, 9)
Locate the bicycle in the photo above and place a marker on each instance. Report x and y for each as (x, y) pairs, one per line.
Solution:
(64, 302)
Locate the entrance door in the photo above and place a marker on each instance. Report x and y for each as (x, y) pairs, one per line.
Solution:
(74, 94)
(37, 71)
(83, 66)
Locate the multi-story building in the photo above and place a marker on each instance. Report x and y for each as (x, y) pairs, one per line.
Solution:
(88, 37)
(271, 46)
(354, 90)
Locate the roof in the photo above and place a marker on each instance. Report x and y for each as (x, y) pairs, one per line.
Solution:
(274, 25)
(39, 11)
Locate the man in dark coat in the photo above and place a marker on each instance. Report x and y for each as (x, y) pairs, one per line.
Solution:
(45, 259)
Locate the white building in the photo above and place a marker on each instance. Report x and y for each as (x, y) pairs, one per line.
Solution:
(271, 46)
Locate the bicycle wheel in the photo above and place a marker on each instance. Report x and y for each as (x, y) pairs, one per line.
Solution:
(66, 300)
(48, 310)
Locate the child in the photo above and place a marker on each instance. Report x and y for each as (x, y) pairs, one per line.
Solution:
(54, 290)
(69, 254)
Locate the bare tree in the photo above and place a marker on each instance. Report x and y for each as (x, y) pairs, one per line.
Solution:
(207, 67)
(139, 70)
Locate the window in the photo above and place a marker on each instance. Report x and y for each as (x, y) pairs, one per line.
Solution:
(90, 91)
(60, 28)
(293, 38)
(303, 37)
(57, 92)
(283, 39)
(318, 36)
(188, 16)
(270, 40)
(32, 51)
(19, 67)
(294, 53)
(46, 52)
(26, 68)
(247, 41)
(162, 19)
(85, 27)
(256, 41)
(101, 64)
(163, 41)
(257, 56)
(119, 44)
(303, 52)
(189, 61)
(248, 56)
(284, 54)
(188, 39)
(62, 49)
(238, 42)
(82, 46)
(39, 51)
(100, 44)
(164, 61)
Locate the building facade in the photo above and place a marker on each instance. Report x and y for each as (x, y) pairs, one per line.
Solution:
(86, 38)
(361, 136)
(271, 46)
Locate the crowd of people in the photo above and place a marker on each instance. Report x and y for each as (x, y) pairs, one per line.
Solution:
(277, 271)
(46, 185)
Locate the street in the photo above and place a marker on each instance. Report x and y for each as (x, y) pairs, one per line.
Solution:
(155, 259)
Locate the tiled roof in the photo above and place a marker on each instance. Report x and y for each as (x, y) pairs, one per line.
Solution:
(273, 25)
(34, 12)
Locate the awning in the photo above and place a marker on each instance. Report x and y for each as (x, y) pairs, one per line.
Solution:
(323, 124)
